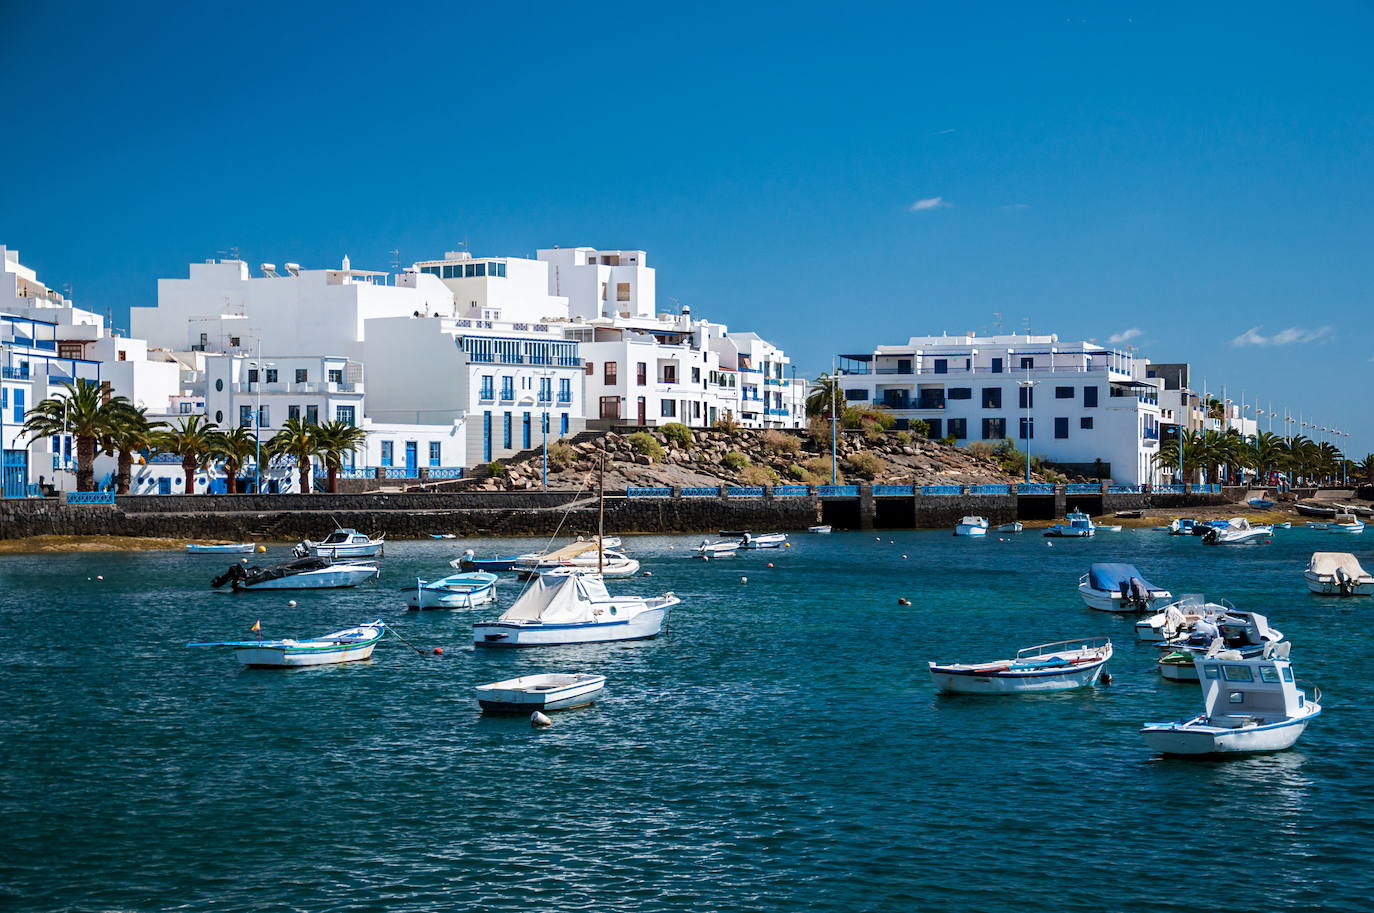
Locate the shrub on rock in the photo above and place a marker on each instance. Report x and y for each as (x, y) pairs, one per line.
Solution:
(644, 443)
(679, 434)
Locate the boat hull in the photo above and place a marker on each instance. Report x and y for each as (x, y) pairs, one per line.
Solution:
(327, 579)
(1326, 585)
(371, 550)
(968, 529)
(1105, 601)
(245, 548)
(973, 682)
(642, 626)
(439, 598)
(1195, 739)
(294, 658)
(514, 700)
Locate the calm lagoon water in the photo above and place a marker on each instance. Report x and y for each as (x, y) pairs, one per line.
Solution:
(780, 748)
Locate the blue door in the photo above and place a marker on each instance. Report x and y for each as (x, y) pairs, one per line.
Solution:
(16, 473)
(164, 485)
(412, 459)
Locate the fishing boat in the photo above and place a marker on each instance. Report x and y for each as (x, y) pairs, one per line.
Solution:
(1237, 531)
(1315, 510)
(1176, 620)
(709, 549)
(1249, 705)
(228, 548)
(1013, 527)
(343, 543)
(1059, 666)
(1183, 526)
(456, 591)
(762, 540)
(1338, 574)
(1114, 587)
(820, 529)
(1346, 523)
(971, 526)
(1078, 525)
(571, 608)
(584, 555)
(346, 646)
(468, 561)
(547, 691)
(1245, 632)
(299, 574)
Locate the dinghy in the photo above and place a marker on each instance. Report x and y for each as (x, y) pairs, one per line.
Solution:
(443, 536)
(228, 548)
(346, 646)
(1078, 525)
(1111, 587)
(1183, 526)
(456, 591)
(1057, 666)
(1013, 527)
(1247, 633)
(762, 540)
(1237, 531)
(1249, 705)
(716, 549)
(570, 608)
(820, 529)
(1316, 510)
(548, 691)
(1346, 523)
(971, 526)
(343, 543)
(300, 574)
(1177, 619)
(1338, 574)
(468, 561)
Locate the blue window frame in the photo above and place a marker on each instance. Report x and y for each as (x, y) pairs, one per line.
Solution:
(563, 424)
(564, 390)
(346, 414)
(435, 451)
(388, 453)
(525, 432)
(245, 416)
(18, 405)
(488, 387)
(506, 429)
(507, 387)
(545, 389)
(486, 437)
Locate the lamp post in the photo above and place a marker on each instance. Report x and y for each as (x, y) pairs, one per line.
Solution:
(834, 393)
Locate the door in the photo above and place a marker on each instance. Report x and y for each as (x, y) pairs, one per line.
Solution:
(16, 473)
(412, 459)
(642, 413)
(164, 485)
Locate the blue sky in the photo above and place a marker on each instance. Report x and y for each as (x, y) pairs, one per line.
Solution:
(1193, 176)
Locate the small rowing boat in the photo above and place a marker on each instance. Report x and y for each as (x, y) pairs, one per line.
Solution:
(227, 548)
(346, 646)
(547, 691)
(1059, 666)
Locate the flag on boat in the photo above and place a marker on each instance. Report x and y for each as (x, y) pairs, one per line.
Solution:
(257, 625)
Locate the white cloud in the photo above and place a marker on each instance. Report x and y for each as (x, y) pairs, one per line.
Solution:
(1253, 336)
(1126, 335)
(929, 203)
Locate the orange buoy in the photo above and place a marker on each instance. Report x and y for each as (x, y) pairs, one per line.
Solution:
(438, 651)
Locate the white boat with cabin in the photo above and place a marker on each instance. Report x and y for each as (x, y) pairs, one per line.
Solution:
(1183, 526)
(1176, 620)
(1338, 574)
(1077, 525)
(1059, 666)
(971, 526)
(456, 591)
(1249, 705)
(563, 607)
(346, 646)
(1247, 633)
(708, 549)
(546, 691)
(1237, 531)
(298, 574)
(343, 543)
(1116, 587)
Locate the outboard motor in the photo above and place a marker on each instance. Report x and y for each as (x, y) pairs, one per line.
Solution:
(235, 573)
(1139, 596)
(1344, 583)
(1211, 536)
(300, 550)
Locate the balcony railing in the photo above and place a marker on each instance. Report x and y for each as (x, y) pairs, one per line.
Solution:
(837, 491)
(989, 489)
(701, 491)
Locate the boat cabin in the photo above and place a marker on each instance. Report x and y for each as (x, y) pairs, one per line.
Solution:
(345, 537)
(1239, 693)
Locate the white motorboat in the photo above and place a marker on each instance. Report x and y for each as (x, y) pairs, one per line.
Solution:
(228, 548)
(343, 543)
(456, 591)
(1338, 574)
(1286, 524)
(1112, 587)
(1058, 666)
(1178, 618)
(1013, 527)
(346, 646)
(299, 574)
(763, 540)
(572, 608)
(971, 526)
(1247, 633)
(1249, 705)
(1346, 523)
(1183, 526)
(1113, 528)
(547, 691)
(1077, 525)
(821, 529)
(709, 549)
(1237, 531)
(582, 555)
(1320, 526)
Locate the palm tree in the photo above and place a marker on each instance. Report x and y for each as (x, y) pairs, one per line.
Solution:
(86, 412)
(300, 441)
(130, 431)
(825, 395)
(235, 446)
(336, 439)
(1194, 456)
(194, 441)
(1268, 454)
(1366, 467)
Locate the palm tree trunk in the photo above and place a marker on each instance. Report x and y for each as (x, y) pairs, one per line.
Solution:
(231, 478)
(333, 479)
(124, 472)
(85, 464)
(188, 467)
(304, 464)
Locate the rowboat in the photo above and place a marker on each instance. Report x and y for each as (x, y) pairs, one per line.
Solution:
(1059, 666)
(346, 646)
(456, 591)
(343, 543)
(468, 561)
(821, 528)
(300, 574)
(547, 691)
(1014, 527)
(716, 549)
(1346, 523)
(228, 548)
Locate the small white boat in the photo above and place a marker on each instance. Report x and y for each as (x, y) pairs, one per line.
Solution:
(822, 529)
(1286, 524)
(1113, 587)
(346, 646)
(1177, 619)
(1346, 523)
(1108, 529)
(443, 535)
(1058, 666)
(548, 691)
(1247, 633)
(456, 591)
(764, 540)
(1338, 574)
(1078, 526)
(300, 574)
(1250, 705)
(1183, 526)
(343, 543)
(971, 526)
(570, 608)
(1013, 527)
(228, 548)
(1237, 531)
(1320, 526)
(582, 555)
(716, 549)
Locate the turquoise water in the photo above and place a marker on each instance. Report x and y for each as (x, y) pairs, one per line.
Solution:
(780, 748)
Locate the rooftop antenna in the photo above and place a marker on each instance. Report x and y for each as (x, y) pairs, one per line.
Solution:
(996, 320)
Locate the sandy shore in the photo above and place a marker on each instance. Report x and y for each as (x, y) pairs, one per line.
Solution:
(35, 545)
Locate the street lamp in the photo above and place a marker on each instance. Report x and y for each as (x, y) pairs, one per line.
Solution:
(258, 365)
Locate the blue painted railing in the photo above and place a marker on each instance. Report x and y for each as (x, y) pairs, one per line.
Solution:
(791, 491)
(357, 472)
(1082, 489)
(989, 489)
(90, 497)
(164, 458)
(893, 491)
(942, 489)
(744, 491)
(1035, 488)
(1172, 488)
(837, 491)
(700, 491)
(444, 472)
(397, 472)
(656, 491)
(1124, 489)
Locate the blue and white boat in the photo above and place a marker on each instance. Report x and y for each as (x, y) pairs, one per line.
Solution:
(1114, 587)
(1059, 666)
(468, 561)
(971, 526)
(762, 540)
(1260, 503)
(546, 691)
(563, 606)
(1250, 705)
(346, 646)
(1183, 526)
(1078, 525)
(456, 591)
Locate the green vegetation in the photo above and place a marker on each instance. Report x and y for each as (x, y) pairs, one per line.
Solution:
(679, 434)
(645, 443)
(754, 474)
(85, 412)
(562, 454)
(734, 460)
(496, 468)
(865, 465)
(781, 444)
(921, 427)
(1206, 453)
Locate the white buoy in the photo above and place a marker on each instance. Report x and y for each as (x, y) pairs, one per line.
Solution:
(1050, 544)
(648, 573)
(538, 719)
(744, 580)
(904, 557)
(291, 604)
(99, 577)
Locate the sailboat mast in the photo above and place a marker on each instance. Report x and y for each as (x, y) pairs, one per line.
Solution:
(601, 515)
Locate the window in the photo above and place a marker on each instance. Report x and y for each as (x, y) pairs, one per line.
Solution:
(506, 430)
(590, 368)
(855, 395)
(488, 389)
(263, 420)
(958, 428)
(992, 397)
(234, 341)
(668, 408)
(335, 375)
(346, 414)
(1288, 673)
(1089, 397)
(603, 291)
(500, 270)
(252, 375)
(1235, 697)
(185, 408)
(563, 425)
(1061, 428)
(1269, 674)
(935, 428)
(219, 417)
(997, 366)
(1086, 423)
(564, 390)
(1027, 428)
(219, 385)
(486, 436)
(18, 405)
(641, 373)
(312, 415)
(959, 393)
(669, 375)
(994, 429)
(610, 407)
(1063, 392)
(270, 375)
(293, 412)
(942, 366)
(545, 389)
(622, 291)
(1213, 672)
(245, 416)
(1237, 673)
(435, 449)
(507, 388)
(302, 375)
(481, 269)
(1025, 397)
(1027, 364)
(469, 270)
(696, 375)
(388, 453)
(609, 373)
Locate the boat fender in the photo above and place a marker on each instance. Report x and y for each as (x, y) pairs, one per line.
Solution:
(99, 576)
(648, 573)
(787, 545)
(770, 564)
(291, 604)
(538, 719)
(262, 550)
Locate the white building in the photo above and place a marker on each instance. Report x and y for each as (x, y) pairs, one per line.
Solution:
(1085, 407)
